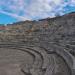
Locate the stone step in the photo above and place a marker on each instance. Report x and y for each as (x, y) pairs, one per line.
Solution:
(69, 58)
(43, 52)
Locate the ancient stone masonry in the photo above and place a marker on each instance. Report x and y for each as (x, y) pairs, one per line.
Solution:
(43, 47)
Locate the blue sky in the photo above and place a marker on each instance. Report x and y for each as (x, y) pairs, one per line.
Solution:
(20, 10)
(4, 19)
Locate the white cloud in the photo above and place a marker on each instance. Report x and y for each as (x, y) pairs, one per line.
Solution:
(30, 9)
(57, 2)
(72, 2)
(43, 8)
(15, 16)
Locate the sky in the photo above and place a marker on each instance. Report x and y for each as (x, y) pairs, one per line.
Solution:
(21, 10)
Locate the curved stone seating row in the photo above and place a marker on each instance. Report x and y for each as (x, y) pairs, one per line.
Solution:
(46, 63)
(37, 62)
(42, 59)
(42, 51)
(12, 44)
(12, 59)
(47, 66)
(51, 66)
(69, 59)
(71, 48)
(72, 43)
(44, 54)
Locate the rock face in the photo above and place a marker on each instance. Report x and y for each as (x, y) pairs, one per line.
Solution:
(43, 47)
